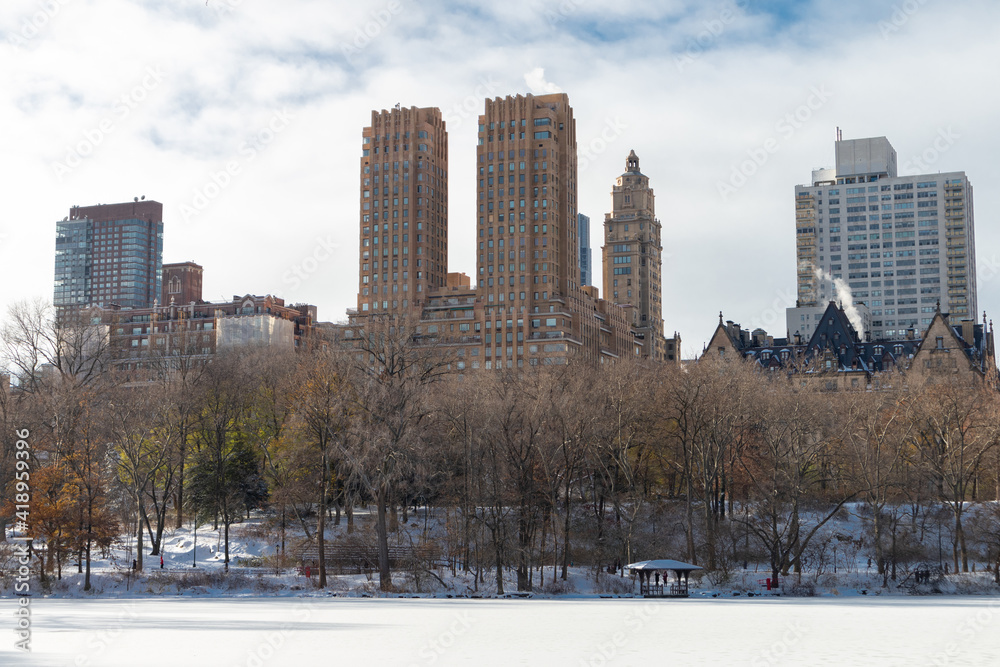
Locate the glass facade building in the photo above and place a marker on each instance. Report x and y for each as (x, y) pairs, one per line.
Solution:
(109, 256)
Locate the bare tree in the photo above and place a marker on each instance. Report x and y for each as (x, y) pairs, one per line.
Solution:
(785, 465)
(956, 427)
(324, 407)
(396, 367)
(876, 427)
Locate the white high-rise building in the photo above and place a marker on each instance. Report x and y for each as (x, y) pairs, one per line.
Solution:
(899, 244)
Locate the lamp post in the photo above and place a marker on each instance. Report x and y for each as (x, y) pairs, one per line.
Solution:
(194, 552)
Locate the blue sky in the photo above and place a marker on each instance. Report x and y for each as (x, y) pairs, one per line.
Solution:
(104, 100)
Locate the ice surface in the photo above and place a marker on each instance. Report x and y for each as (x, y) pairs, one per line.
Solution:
(323, 630)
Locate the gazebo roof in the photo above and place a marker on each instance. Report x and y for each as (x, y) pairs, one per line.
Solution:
(663, 564)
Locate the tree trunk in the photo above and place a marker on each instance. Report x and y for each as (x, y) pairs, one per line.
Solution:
(180, 490)
(138, 538)
(90, 529)
(879, 554)
(225, 523)
(689, 513)
(321, 526)
(382, 534)
(960, 541)
(565, 562)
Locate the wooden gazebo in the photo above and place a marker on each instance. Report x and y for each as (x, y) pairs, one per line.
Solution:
(655, 580)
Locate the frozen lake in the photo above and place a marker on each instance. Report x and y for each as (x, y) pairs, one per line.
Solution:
(311, 631)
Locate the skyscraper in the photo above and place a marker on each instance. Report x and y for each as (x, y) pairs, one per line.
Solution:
(525, 306)
(109, 255)
(899, 244)
(586, 254)
(632, 256)
(404, 210)
(527, 217)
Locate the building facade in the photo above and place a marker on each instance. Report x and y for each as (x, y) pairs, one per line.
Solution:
(836, 358)
(162, 338)
(903, 245)
(181, 283)
(586, 253)
(109, 255)
(632, 256)
(526, 304)
(404, 210)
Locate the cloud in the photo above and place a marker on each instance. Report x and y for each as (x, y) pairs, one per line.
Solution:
(697, 89)
(535, 80)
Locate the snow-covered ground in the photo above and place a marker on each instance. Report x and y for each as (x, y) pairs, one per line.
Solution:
(322, 630)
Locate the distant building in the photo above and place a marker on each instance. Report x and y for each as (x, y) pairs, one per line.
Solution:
(586, 254)
(835, 357)
(181, 283)
(803, 320)
(404, 209)
(526, 305)
(632, 257)
(162, 337)
(900, 244)
(109, 254)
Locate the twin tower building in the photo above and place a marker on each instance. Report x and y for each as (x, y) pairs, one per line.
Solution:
(528, 303)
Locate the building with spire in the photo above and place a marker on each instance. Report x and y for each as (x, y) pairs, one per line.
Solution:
(632, 257)
(526, 305)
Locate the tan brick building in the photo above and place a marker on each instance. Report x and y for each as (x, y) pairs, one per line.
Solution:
(632, 255)
(404, 210)
(525, 305)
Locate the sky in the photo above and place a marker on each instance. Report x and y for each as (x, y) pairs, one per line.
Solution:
(244, 118)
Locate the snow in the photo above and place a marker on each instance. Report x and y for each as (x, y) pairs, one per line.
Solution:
(328, 630)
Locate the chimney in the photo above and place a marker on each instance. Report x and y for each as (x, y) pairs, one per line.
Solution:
(969, 332)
